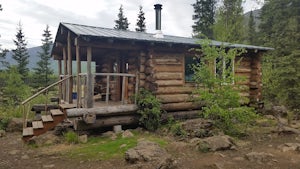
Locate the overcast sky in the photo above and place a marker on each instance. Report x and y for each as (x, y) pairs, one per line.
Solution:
(34, 15)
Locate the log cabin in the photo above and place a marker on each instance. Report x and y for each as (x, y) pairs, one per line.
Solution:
(126, 61)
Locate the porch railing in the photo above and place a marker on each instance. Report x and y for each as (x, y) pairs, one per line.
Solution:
(123, 76)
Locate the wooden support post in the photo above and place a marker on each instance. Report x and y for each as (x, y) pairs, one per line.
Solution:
(78, 77)
(60, 85)
(107, 89)
(123, 89)
(70, 85)
(90, 90)
(65, 89)
(136, 87)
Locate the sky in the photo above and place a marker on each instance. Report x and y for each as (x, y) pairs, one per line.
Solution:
(34, 15)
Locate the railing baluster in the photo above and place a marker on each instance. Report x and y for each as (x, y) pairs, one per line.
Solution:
(107, 89)
(123, 89)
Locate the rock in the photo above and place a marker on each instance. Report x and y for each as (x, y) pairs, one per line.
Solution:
(150, 152)
(25, 157)
(216, 143)
(110, 134)
(49, 166)
(123, 146)
(2, 133)
(271, 117)
(259, 157)
(288, 130)
(238, 159)
(198, 127)
(46, 139)
(118, 128)
(279, 110)
(289, 147)
(83, 138)
(127, 134)
(14, 152)
(15, 125)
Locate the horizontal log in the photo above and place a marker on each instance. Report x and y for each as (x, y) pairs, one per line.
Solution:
(42, 107)
(168, 76)
(173, 98)
(142, 60)
(142, 76)
(180, 115)
(149, 70)
(103, 111)
(168, 61)
(107, 122)
(243, 70)
(243, 94)
(174, 90)
(169, 82)
(180, 106)
(150, 63)
(168, 68)
(142, 83)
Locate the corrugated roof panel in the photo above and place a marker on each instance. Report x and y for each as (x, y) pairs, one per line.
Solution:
(84, 30)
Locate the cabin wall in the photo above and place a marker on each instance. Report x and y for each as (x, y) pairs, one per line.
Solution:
(163, 74)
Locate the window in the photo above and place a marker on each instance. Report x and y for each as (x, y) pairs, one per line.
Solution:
(188, 62)
(224, 67)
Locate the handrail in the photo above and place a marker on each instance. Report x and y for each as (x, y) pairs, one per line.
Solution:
(109, 74)
(45, 89)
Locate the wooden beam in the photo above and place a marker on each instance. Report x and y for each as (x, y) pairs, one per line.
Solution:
(78, 61)
(70, 81)
(59, 78)
(65, 86)
(90, 81)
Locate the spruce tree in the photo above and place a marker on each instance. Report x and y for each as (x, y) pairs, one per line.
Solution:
(43, 69)
(20, 54)
(121, 22)
(251, 38)
(204, 18)
(229, 23)
(141, 25)
(280, 30)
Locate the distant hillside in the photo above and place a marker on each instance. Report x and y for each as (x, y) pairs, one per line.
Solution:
(256, 14)
(33, 59)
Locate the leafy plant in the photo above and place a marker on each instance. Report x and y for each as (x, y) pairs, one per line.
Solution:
(149, 109)
(71, 137)
(219, 93)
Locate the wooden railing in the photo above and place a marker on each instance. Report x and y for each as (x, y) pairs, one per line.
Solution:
(124, 76)
(45, 90)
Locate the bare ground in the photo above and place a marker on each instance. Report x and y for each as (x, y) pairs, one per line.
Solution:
(15, 154)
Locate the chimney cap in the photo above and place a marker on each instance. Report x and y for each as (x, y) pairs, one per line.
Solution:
(157, 6)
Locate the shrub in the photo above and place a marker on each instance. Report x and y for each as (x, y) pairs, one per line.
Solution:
(71, 137)
(149, 109)
(219, 93)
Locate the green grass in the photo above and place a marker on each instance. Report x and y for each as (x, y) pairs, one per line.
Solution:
(102, 148)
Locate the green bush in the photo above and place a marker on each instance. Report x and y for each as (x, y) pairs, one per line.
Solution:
(71, 137)
(220, 92)
(149, 109)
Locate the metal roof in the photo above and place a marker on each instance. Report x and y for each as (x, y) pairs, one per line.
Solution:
(83, 30)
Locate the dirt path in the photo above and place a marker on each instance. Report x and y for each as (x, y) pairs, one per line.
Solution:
(14, 154)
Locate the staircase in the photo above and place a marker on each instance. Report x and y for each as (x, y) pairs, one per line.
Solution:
(47, 122)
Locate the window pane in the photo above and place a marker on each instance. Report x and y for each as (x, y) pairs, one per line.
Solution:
(188, 69)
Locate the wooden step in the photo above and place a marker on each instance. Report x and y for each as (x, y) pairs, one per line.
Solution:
(27, 131)
(67, 106)
(56, 112)
(37, 125)
(47, 118)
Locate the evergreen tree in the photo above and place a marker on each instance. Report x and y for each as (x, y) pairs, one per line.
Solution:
(122, 22)
(43, 69)
(141, 25)
(251, 30)
(229, 22)
(20, 54)
(3, 63)
(204, 18)
(280, 30)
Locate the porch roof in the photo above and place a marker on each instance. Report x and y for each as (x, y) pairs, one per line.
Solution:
(99, 32)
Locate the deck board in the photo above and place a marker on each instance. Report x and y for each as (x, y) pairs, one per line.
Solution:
(37, 124)
(28, 131)
(47, 118)
(56, 112)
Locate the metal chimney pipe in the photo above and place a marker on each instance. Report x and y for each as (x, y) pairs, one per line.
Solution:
(158, 8)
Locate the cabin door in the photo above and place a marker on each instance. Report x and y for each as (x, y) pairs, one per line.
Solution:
(119, 66)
